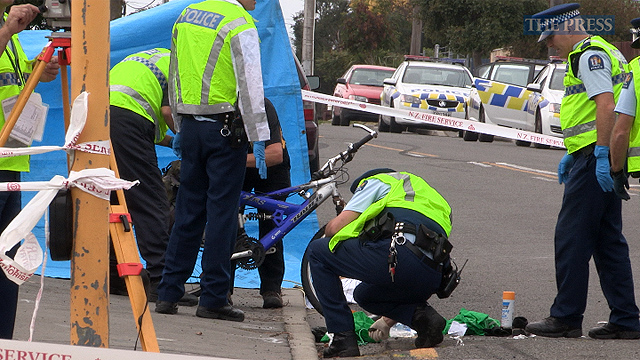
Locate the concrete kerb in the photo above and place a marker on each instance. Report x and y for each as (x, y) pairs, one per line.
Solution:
(301, 340)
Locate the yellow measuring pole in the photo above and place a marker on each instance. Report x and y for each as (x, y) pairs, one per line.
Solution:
(90, 260)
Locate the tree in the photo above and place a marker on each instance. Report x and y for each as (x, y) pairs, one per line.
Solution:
(476, 27)
(357, 31)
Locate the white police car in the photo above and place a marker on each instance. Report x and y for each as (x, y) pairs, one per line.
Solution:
(500, 96)
(543, 108)
(428, 85)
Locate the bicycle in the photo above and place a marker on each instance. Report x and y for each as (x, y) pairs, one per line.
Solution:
(249, 252)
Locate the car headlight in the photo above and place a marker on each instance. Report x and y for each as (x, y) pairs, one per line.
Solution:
(554, 108)
(410, 99)
(358, 98)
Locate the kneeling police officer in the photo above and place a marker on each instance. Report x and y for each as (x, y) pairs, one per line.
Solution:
(392, 235)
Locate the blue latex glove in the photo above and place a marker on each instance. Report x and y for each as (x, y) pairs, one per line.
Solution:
(603, 173)
(566, 163)
(175, 145)
(258, 153)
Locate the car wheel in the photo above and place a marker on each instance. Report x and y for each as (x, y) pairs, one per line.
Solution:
(335, 119)
(484, 137)
(538, 129)
(523, 143)
(314, 165)
(382, 126)
(344, 119)
(394, 127)
(470, 136)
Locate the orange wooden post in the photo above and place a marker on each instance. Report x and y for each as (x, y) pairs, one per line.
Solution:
(90, 260)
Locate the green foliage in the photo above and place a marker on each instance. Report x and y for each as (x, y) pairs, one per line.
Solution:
(623, 10)
(478, 26)
(356, 32)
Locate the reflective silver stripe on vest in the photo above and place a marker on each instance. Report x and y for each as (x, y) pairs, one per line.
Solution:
(579, 88)
(215, 53)
(151, 64)
(579, 129)
(634, 151)
(410, 194)
(141, 101)
(7, 79)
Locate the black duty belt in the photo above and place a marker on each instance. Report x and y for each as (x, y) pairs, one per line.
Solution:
(407, 228)
(587, 150)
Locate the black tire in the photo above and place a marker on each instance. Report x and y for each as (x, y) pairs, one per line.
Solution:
(523, 143)
(469, 135)
(484, 137)
(394, 127)
(382, 126)
(305, 275)
(538, 130)
(344, 119)
(335, 119)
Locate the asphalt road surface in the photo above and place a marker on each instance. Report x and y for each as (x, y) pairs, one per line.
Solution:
(505, 202)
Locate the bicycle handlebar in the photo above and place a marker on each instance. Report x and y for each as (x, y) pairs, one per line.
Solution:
(346, 155)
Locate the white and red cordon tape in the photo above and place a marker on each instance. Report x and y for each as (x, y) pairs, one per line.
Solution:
(98, 182)
(445, 121)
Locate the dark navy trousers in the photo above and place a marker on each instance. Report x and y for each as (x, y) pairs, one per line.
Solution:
(211, 176)
(10, 206)
(590, 225)
(414, 281)
(132, 138)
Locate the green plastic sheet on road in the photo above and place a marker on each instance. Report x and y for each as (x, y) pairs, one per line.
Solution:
(477, 323)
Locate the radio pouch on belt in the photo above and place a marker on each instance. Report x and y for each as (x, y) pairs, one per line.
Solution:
(433, 242)
(238, 135)
(380, 227)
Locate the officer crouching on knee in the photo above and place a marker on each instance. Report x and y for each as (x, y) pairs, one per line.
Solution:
(392, 235)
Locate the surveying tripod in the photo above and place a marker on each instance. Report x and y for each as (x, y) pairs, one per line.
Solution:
(120, 231)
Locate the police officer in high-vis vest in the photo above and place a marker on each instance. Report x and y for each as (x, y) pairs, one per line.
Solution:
(590, 220)
(140, 118)
(625, 138)
(215, 69)
(405, 205)
(14, 72)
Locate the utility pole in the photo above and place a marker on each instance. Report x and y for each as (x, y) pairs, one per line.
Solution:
(89, 304)
(308, 34)
(416, 32)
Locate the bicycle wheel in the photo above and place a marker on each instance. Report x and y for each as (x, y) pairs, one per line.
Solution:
(307, 280)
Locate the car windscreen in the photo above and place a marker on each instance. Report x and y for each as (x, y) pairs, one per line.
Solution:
(370, 77)
(556, 79)
(436, 76)
(511, 74)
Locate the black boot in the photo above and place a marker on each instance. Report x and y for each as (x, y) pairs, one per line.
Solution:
(343, 344)
(429, 325)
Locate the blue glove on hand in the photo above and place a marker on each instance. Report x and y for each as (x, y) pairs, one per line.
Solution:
(566, 163)
(258, 153)
(603, 173)
(175, 145)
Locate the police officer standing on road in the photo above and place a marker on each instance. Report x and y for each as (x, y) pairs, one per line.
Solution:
(140, 117)
(15, 68)
(625, 138)
(215, 66)
(590, 220)
(392, 215)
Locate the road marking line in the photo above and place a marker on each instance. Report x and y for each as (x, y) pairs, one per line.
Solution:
(486, 165)
(410, 153)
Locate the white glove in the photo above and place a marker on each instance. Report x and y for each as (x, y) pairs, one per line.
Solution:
(379, 330)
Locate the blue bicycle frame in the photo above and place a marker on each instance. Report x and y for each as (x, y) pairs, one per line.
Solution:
(287, 215)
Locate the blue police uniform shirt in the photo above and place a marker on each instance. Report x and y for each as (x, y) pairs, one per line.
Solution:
(595, 72)
(627, 101)
(370, 191)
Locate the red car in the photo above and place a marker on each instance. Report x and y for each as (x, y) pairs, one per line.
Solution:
(360, 83)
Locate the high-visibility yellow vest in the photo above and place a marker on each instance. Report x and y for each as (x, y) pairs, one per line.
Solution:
(633, 154)
(578, 112)
(137, 83)
(205, 82)
(15, 69)
(407, 191)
